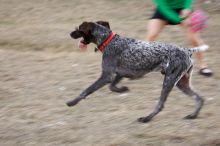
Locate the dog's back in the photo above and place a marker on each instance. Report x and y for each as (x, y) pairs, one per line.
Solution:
(138, 57)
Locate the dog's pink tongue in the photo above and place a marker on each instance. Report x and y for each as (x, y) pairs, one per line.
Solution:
(82, 45)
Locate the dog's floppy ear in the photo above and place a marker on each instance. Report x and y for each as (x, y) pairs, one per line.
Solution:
(76, 34)
(86, 27)
(104, 23)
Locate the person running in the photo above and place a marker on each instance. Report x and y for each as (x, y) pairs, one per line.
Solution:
(174, 12)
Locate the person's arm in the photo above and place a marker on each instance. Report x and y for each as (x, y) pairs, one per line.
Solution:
(185, 13)
(168, 12)
(188, 4)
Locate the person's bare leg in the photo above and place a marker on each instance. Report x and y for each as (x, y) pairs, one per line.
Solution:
(154, 27)
(195, 40)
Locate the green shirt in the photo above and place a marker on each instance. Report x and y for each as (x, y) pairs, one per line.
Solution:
(165, 7)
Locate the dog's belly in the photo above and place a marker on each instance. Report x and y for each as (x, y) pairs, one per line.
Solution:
(134, 73)
(135, 68)
(131, 73)
(138, 67)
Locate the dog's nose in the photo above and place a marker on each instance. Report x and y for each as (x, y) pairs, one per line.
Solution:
(71, 34)
(75, 34)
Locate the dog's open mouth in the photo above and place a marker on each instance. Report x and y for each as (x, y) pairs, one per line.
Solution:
(82, 41)
(82, 44)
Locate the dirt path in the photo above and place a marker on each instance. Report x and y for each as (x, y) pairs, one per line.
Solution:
(41, 68)
(35, 86)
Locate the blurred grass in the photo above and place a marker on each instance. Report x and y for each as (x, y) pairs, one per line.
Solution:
(28, 25)
(44, 25)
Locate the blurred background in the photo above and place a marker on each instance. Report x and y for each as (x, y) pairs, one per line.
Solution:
(41, 68)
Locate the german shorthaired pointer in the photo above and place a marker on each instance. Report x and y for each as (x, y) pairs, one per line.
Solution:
(131, 58)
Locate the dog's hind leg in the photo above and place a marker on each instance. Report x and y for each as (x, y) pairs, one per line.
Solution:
(113, 87)
(184, 85)
(168, 84)
(103, 80)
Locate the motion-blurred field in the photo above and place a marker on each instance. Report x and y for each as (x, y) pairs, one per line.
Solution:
(41, 68)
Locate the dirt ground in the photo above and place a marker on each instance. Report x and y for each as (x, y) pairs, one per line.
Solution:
(41, 68)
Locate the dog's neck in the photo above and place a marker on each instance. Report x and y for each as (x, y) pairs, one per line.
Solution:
(100, 38)
(102, 46)
(101, 35)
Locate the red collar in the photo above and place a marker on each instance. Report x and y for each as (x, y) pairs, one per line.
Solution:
(102, 47)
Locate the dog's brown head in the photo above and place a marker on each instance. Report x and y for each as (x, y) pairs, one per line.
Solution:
(85, 30)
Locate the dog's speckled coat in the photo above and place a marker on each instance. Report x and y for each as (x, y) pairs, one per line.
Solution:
(131, 58)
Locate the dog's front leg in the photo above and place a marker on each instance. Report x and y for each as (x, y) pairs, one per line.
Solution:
(113, 86)
(103, 80)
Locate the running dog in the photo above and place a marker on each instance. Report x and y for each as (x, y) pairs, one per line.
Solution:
(130, 58)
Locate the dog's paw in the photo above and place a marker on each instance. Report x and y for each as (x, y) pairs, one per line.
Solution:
(144, 119)
(119, 90)
(72, 102)
(123, 89)
(191, 116)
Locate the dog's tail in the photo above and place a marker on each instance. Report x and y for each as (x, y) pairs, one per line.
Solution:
(201, 48)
